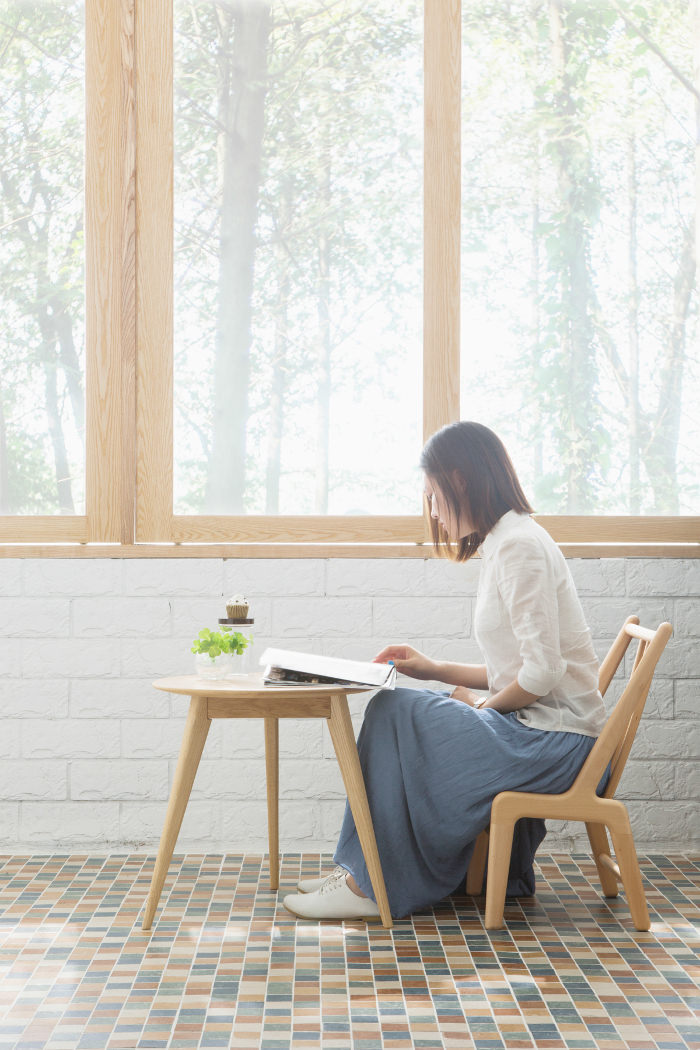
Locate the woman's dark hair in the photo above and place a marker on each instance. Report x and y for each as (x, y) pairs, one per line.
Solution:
(470, 467)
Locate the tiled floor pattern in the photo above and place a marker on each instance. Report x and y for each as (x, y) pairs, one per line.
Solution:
(226, 966)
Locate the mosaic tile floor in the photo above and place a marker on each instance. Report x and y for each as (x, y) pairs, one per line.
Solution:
(226, 966)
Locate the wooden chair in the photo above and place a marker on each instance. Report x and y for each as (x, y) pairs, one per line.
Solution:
(581, 802)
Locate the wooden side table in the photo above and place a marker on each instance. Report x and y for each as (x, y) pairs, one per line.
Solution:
(248, 697)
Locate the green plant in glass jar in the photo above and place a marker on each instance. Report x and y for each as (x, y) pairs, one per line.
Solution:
(218, 654)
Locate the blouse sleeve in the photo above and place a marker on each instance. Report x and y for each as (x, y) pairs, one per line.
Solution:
(528, 587)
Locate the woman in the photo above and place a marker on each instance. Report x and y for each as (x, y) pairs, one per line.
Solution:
(433, 761)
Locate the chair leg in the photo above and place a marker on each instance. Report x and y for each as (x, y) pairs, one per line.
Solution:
(626, 857)
(500, 846)
(598, 838)
(475, 872)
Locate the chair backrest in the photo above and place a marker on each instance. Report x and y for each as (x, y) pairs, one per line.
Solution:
(615, 741)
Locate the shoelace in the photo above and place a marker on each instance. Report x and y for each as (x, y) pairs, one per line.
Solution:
(337, 870)
(332, 881)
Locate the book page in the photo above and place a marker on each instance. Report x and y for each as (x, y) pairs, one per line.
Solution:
(330, 668)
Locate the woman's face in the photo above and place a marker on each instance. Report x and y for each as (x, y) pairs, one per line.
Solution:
(455, 526)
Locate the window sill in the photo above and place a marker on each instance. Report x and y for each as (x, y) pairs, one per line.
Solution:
(317, 550)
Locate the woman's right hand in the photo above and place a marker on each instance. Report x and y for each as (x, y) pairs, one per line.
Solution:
(409, 661)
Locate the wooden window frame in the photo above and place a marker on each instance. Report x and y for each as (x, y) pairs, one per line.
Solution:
(110, 345)
(129, 327)
(155, 520)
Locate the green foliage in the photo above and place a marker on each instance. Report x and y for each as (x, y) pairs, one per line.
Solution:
(217, 642)
(558, 151)
(338, 236)
(42, 254)
(578, 196)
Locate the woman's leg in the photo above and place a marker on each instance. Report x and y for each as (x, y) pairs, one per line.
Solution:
(413, 746)
(432, 767)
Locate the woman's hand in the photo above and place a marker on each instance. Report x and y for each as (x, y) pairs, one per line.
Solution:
(467, 696)
(409, 661)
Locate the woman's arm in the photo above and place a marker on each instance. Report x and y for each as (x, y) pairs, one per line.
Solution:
(473, 676)
(415, 664)
(528, 586)
(511, 698)
(469, 676)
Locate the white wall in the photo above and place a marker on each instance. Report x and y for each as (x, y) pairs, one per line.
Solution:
(88, 746)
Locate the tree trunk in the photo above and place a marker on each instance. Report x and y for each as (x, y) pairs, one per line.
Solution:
(695, 22)
(664, 427)
(323, 291)
(279, 363)
(4, 463)
(537, 428)
(243, 42)
(70, 363)
(49, 359)
(535, 398)
(573, 174)
(662, 449)
(633, 328)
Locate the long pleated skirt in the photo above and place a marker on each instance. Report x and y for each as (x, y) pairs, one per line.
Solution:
(432, 766)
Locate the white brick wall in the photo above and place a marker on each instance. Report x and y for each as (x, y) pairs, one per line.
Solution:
(88, 747)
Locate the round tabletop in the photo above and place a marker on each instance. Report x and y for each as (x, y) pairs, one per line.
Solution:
(249, 685)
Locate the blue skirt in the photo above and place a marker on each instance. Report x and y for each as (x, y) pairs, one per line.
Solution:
(432, 766)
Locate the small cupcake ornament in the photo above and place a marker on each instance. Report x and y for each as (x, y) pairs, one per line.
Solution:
(237, 607)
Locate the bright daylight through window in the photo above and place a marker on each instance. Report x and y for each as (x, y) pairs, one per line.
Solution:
(307, 153)
(298, 245)
(42, 301)
(579, 217)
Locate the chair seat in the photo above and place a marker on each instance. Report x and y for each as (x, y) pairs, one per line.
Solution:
(566, 806)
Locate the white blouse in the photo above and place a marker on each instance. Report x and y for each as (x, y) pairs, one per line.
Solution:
(530, 626)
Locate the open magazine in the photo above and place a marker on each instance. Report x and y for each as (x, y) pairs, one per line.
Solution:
(285, 667)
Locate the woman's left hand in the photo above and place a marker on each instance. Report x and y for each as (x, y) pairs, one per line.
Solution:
(467, 696)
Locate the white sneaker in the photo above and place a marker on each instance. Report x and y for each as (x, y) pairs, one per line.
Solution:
(311, 885)
(333, 900)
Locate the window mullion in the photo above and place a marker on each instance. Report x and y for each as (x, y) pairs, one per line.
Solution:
(109, 238)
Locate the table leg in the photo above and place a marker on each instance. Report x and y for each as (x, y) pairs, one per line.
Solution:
(343, 737)
(272, 774)
(195, 735)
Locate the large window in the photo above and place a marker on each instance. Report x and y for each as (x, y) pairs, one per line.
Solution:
(292, 238)
(42, 302)
(66, 271)
(580, 306)
(298, 256)
(284, 396)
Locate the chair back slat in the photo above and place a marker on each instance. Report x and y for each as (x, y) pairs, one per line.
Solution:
(615, 741)
(615, 655)
(621, 754)
(635, 630)
(641, 649)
